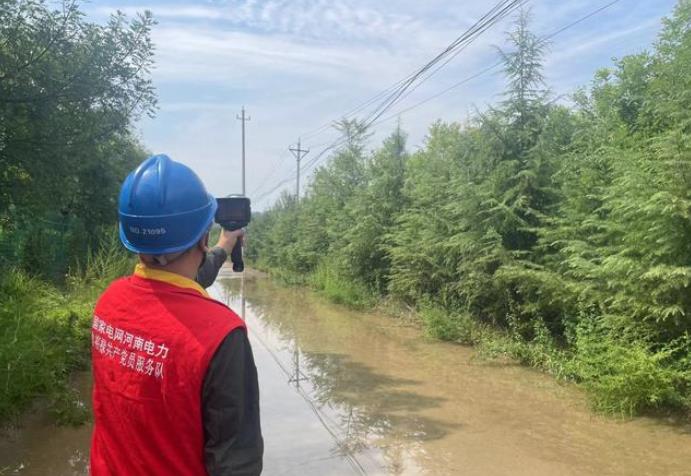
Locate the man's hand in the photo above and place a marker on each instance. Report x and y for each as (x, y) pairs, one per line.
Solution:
(227, 239)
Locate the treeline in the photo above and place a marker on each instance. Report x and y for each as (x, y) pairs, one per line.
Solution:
(70, 91)
(559, 235)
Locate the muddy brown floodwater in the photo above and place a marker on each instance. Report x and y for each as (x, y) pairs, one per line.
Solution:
(351, 393)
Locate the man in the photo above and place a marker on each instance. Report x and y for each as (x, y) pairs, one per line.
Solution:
(175, 385)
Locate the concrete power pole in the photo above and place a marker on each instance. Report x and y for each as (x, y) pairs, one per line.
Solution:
(299, 153)
(242, 117)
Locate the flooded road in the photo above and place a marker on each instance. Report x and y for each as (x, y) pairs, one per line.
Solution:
(351, 393)
(39, 447)
(376, 397)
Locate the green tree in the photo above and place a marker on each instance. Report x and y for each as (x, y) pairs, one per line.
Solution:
(373, 212)
(69, 92)
(567, 228)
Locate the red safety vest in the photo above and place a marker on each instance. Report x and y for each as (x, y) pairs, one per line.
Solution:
(153, 336)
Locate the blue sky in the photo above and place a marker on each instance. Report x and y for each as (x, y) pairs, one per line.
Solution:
(297, 64)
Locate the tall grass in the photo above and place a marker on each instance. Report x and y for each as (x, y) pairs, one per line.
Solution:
(328, 281)
(44, 332)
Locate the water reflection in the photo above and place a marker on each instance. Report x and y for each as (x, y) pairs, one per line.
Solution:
(364, 410)
(390, 402)
(351, 393)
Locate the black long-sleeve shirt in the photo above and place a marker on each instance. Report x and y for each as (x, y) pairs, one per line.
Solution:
(206, 275)
(233, 444)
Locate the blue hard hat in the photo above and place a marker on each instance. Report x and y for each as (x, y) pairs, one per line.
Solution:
(163, 208)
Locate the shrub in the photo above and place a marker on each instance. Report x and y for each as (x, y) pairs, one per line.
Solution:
(457, 327)
(626, 377)
(44, 332)
(327, 280)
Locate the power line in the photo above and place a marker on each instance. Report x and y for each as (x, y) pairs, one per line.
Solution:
(497, 64)
(498, 12)
(273, 189)
(441, 93)
(314, 132)
(582, 19)
(374, 123)
(394, 86)
(277, 164)
(350, 457)
(394, 93)
(309, 164)
(276, 168)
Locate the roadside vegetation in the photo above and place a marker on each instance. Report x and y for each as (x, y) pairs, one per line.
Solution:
(556, 235)
(45, 332)
(69, 92)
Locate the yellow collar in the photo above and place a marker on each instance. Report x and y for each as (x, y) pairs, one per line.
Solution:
(178, 280)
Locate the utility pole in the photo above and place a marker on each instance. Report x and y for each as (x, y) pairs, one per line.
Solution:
(297, 376)
(299, 153)
(242, 117)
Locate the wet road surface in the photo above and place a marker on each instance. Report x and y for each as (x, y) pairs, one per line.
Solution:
(351, 393)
